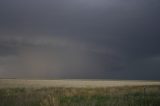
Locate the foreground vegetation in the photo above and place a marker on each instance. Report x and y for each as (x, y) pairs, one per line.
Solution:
(112, 96)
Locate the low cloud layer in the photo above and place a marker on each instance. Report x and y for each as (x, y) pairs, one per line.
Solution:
(101, 39)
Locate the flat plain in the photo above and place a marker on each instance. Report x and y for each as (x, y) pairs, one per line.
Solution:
(16, 92)
(14, 83)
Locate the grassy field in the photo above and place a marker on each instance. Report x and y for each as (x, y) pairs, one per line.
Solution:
(16, 83)
(144, 95)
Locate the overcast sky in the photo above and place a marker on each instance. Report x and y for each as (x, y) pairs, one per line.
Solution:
(91, 39)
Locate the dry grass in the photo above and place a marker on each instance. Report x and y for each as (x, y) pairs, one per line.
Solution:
(61, 96)
(16, 83)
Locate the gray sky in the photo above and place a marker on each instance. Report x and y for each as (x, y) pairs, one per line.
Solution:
(104, 39)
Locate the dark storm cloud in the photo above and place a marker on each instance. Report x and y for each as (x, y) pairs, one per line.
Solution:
(80, 38)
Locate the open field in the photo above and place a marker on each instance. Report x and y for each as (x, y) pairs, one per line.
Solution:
(14, 83)
(78, 93)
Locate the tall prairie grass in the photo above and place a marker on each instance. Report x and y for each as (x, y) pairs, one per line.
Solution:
(110, 96)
